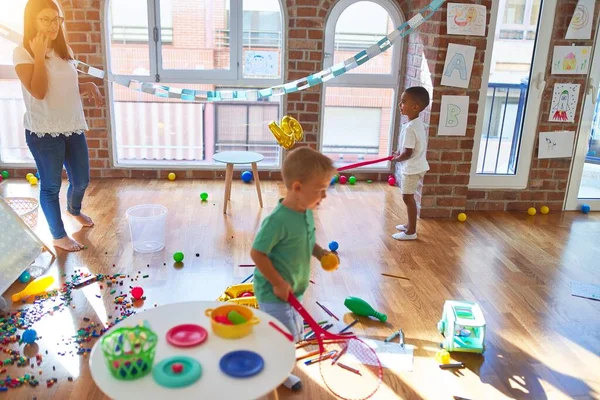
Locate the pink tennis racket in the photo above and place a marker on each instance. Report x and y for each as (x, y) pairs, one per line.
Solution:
(349, 367)
(362, 164)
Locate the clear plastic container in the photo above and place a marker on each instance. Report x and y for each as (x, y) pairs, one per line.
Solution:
(147, 223)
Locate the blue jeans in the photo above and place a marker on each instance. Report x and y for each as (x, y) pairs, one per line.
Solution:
(50, 153)
(287, 315)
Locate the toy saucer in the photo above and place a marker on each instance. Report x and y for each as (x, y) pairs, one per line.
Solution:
(189, 372)
(241, 364)
(186, 335)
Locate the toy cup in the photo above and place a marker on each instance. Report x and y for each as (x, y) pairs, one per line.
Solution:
(129, 352)
(232, 331)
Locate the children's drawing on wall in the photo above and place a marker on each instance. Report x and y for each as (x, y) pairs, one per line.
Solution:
(556, 144)
(571, 60)
(466, 19)
(261, 63)
(459, 63)
(580, 26)
(564, 102)
(453, 116)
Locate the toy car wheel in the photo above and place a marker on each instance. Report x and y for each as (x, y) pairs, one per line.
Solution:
(441, 326)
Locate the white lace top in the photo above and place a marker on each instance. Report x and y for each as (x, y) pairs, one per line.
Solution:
(61, 111)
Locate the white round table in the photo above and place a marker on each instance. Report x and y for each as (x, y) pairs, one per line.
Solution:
(277, 351)
(232, 158)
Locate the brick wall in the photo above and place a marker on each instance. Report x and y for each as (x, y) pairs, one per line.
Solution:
(445, 191)
(445, 185)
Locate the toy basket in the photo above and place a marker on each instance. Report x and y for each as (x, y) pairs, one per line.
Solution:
(26, 208)
(129, 352)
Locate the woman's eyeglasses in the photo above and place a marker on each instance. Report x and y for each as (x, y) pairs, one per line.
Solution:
(49, 21)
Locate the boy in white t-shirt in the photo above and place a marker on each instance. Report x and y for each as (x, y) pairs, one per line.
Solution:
(412, 156)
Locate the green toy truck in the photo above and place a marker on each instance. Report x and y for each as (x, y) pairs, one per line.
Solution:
(463, 327)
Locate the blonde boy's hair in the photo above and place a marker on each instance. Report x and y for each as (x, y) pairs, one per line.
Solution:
(304, 164)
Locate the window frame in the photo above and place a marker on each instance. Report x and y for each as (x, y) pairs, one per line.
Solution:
(231, 78)
(385, 81)
(533, 103)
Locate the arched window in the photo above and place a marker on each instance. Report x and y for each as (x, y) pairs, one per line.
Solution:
(13, 148)
(359, 111)
(196, 44)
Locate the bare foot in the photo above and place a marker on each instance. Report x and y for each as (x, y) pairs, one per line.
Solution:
(83, 220)
(67, 244)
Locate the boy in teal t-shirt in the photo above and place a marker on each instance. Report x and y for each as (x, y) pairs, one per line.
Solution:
(286, 240)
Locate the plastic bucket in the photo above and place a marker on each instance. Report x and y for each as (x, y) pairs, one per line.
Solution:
(147, 224)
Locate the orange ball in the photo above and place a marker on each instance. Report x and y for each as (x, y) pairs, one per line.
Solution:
(329, 262)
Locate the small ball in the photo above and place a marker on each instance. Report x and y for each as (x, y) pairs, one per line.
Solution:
(343, 179)
(391, 181)
(4, 174)
(333, 246)
(352, 180)
(329, 262)
(37, 175)
(172, 176)
(178, 257)
(370, 181)
(247, 294)
(29, 336)
(177, 368)
(25, 277)
(531, 211)
(29, 176)
(1, 178)
(544, 210)
(333, 181)
(33, 181)
(462, 217)
(246, 176)
(204, 196)
(336, 177)
(137, 292)
(585, 208)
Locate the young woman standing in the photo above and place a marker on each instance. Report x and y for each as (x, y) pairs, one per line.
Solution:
(54, 121)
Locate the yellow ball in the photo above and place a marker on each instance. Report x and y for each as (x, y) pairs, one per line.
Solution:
(462, 217)
(329, 262)
(544, 210)
(531, 211)
(172, 176)
(33, 181)
(29, 176)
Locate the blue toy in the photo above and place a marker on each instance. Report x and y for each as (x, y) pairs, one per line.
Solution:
(37, 175)
(29, 336)
(246, 176)
(333, 181)
(333, 245)
(585, 208)
(25, 277)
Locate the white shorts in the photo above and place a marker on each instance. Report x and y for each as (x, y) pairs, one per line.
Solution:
(410, 183)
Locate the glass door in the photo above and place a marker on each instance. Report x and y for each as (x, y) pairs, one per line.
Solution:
(518, 45)
(584, 186)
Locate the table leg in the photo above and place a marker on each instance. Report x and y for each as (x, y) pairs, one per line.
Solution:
(275, 394)
(230, 182)
(257, 180)
(228, 178)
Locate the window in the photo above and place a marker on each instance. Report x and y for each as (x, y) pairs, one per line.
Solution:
(359, 106)
(507, 121)
(13, 148)
(202, 45)
(519, 19)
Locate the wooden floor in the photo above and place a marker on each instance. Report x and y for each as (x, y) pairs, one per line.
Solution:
(542, 343)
